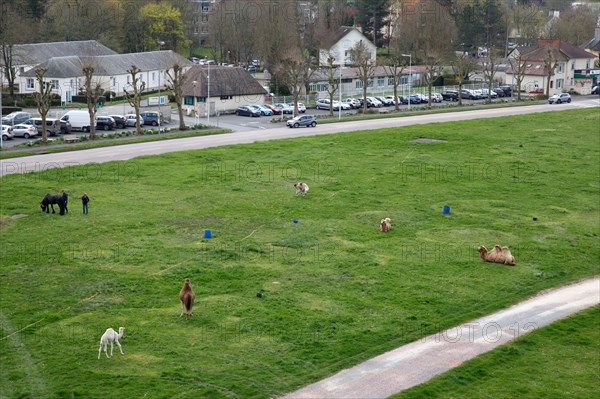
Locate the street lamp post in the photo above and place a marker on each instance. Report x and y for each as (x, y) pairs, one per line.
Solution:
(409, 75)
(1, 89)
(160, 44)
(340, 89)
(195, 103)
(208, 96)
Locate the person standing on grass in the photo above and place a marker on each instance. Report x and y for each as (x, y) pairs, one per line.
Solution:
(84, 201)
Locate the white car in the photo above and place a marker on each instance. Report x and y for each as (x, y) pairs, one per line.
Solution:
(285, 108)
(560, 98)
(353, 102)
(6, 132)
(301, 108)
(23, 130)
(344, 106)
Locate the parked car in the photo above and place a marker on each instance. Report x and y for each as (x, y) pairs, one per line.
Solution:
(499, 92)
(478, 94)
(323, 104)
(373, 102)
(52, 125)
(120, 121)
(468, 94)
(285, 108)
(7, 132)
(353, 102)
(276, 111)
(507, 91)
(492, 94)
(302, 120)
(251, 68)
(15, 118)
(23, 130)
(301, 108)
(152, 118)
(79, 120)
(130, 120)
(65, 127)
(105, 122)
(392, 99)
(450, 95)
(560, 98)
(263, 110)
(245, 110)
(436, 98)
(386, 102)
(595, 90)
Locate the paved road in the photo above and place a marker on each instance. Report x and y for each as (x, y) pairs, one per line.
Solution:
(419, 361)
(47, 161)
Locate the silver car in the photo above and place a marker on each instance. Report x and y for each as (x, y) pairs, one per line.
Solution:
(23, 130)
(560, 98)
(6, 132)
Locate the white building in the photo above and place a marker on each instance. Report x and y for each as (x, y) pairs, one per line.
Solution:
(67, 78)
(340, 43)
(569, 74)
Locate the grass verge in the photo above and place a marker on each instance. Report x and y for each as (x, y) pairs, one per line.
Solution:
(336, 291)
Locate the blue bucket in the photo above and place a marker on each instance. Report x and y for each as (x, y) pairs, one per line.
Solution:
(207, 233)
(446, 210)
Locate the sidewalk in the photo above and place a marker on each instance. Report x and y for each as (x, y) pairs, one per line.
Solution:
(419, 361)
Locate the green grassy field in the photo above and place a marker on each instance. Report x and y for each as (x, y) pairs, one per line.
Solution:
(336, 290)
(558, 361)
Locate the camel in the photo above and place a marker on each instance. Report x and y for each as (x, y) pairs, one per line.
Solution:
(385, 225)
(497, 255)
(301, 188)
(111, 336)
(187, 296)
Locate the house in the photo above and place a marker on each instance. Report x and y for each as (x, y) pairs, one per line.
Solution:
(571, 61)
(28, 56)
(224, 88)
(339, 44)
(67, 78)
(593, 47)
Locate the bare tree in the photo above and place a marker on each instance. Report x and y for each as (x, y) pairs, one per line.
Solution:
(134, 95)
(42, 98)
(93, 91)
(550, 63)
(490, 68)
(295, 69)
(394, 67)
(519, 66)
(333, 82)
(360, 57)
(462, 66)
(175, 83)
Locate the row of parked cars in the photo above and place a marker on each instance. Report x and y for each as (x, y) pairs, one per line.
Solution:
(21, 124)
(256, 110)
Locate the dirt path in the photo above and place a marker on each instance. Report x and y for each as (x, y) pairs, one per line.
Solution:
(419, 361)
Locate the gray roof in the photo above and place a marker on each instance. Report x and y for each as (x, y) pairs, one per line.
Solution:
(224, 81)
(109, 65)
(36, 53)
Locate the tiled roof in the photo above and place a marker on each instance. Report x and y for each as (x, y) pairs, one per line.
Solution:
(109, 65)
(224, 81)
(36, 53)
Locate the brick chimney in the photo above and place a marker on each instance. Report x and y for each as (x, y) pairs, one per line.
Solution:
(553, 43)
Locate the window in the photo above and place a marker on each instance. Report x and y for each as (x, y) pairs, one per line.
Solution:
(114, 82)
(551, 84)
(128, 79)
(370, 83)
(153, 76)
(559, 68)
(573, 66)
(587, 64)
(559, 83)
(54, 83)
(188, 100)
(380, 81)
(404, 80)
(223, 98)
(390, 81)
(30, 83)
(359, 84)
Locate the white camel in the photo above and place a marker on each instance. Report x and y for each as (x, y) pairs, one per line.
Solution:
(111, 336)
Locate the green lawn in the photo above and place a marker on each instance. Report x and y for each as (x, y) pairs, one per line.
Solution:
(558, 361)
(336, 290)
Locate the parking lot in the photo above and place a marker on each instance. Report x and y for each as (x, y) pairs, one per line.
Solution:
(234, 122)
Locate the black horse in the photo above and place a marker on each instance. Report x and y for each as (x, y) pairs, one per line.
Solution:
(58, 199)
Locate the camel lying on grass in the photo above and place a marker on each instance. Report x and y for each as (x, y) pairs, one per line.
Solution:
(497, 255)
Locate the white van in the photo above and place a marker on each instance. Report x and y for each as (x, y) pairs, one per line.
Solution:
(80, 120)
